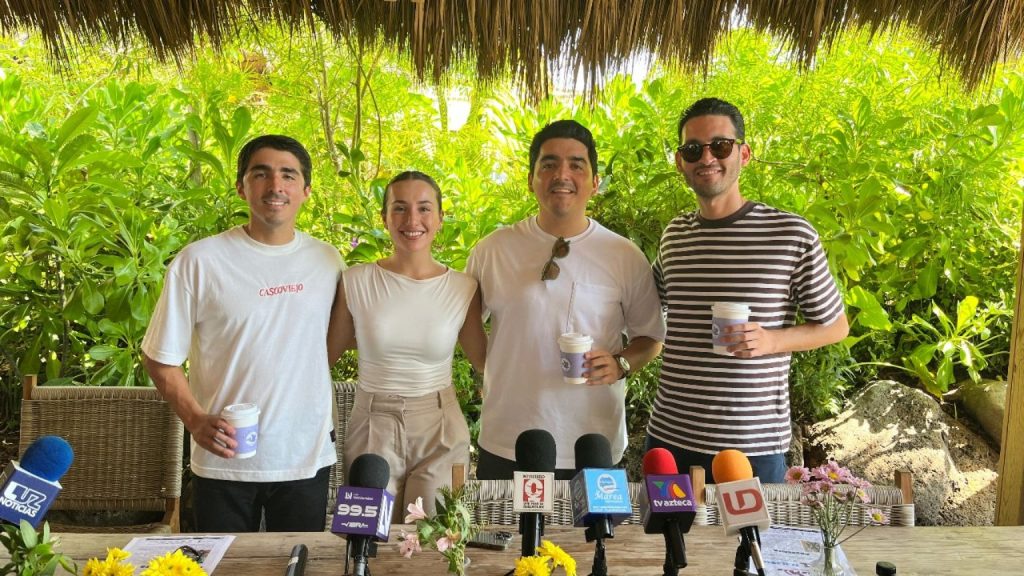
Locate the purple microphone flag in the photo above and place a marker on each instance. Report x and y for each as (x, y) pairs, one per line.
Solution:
(363, 512)
(666, 494)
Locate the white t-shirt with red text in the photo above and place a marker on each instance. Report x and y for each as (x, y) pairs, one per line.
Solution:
(251, 319)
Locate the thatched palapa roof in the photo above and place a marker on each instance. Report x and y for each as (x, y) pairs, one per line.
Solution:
(533, 37)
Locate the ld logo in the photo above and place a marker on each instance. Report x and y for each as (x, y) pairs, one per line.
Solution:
(743, 501)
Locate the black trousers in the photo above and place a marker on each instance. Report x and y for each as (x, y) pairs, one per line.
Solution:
(232, 506)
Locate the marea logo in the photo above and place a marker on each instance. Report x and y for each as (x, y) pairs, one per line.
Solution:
(566, 365)
(716, 330)
(251, 437)
(669, 490)
(606, 483)
(22, 499)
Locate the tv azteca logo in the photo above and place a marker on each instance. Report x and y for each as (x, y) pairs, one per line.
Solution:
(669, 490)
(22, 499)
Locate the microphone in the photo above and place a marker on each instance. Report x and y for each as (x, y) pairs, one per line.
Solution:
(28, 488)
(533, 485)
(600, 499)
(741, 505)
(363, 511)
(297, 562)
(667, 506)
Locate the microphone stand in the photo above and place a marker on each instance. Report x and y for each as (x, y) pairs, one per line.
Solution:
(597, 532)
(669, 568)
(600, 567)
(742, 560)
(360, 553)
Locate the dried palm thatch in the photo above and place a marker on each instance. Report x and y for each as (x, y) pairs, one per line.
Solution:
(531, 38)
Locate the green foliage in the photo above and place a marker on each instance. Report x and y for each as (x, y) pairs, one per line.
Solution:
(107, 171)
(946, 343)
(32, 553)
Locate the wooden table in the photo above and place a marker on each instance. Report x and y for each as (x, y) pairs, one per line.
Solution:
(920, 550)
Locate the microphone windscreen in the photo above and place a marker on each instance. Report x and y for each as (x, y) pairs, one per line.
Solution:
(535, 451)
(369, 471)
(49, 457)
(659, 461)
(593, 451)
(731, 465)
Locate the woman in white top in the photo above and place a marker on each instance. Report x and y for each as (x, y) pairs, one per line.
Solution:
(404, 314)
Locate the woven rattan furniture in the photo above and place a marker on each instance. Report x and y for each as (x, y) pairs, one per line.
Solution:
(344, 399)
(128, 450)
(493, 503)
(785, 509)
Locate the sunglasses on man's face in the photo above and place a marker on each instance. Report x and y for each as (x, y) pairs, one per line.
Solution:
(559, 250)
(720, 148)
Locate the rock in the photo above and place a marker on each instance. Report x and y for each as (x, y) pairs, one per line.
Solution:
(889, 426)
(985, 401)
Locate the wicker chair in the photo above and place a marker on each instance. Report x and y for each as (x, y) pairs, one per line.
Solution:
(785, 509)
(128, 450)
(493, 503)
(344, 399)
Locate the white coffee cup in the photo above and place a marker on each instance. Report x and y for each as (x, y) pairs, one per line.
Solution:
(726, 314)
(245, 419)
(573, 346)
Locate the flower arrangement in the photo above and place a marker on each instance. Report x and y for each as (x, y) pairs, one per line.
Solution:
(447, 531)
(831, 491)
(173, 563)
(549, 556)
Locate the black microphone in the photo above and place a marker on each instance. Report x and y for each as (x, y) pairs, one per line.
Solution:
(363, 511)
(535, 452)
(29, 487)
(600, 498)
(297, 562)
(668, 507)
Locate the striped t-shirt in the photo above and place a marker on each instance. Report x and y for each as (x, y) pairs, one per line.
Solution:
(765, 258)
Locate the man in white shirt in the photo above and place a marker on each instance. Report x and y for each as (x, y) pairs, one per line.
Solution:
(248, 308)
(557, 272)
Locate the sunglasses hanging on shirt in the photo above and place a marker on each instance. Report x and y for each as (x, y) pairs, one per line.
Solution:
(559, 250)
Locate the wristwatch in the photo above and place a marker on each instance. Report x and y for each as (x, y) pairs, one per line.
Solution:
(623, 364)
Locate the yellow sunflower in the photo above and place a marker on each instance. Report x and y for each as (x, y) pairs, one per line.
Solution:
(558, 556)
(532, 566)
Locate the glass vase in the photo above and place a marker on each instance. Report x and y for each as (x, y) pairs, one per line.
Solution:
(831, 562)
(458, 564)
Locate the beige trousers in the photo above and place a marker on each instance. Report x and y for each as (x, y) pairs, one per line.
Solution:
(420, 437)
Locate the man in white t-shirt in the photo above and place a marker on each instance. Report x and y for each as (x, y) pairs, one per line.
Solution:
(552, 273)
(248, 308)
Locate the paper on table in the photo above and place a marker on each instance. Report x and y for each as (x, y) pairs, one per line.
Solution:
(211, 548)
(790, 551)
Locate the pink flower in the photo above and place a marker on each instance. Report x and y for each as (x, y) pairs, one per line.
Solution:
(443, 544)
(410, 543)
(862, 495)
(877, 516)
(797, 474)
(415, 512)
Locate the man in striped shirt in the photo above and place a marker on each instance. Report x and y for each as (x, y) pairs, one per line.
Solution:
(732, 250)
